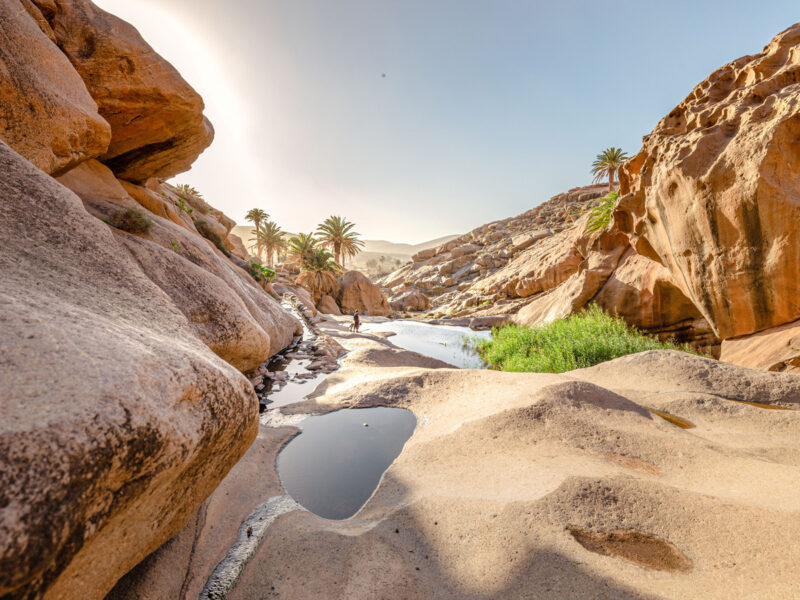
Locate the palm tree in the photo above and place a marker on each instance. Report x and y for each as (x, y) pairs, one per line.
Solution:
(319, 274)
(269, 237)
(607, 164)
(337, 233)
(256, 216)
(302, 246)
(321, 260)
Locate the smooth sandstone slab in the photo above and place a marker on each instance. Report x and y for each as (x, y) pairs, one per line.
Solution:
(118, 421)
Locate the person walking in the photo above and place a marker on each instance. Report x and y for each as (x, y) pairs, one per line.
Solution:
(356, 321)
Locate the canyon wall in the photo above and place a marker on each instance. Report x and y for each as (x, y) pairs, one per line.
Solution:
(714, 197)
(128, 314)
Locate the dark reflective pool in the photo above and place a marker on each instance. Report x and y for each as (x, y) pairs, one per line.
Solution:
(333, 467)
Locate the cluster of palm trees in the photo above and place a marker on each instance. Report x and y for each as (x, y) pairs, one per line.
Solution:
(312, 250)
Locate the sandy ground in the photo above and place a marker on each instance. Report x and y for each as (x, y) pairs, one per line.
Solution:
(537, 486)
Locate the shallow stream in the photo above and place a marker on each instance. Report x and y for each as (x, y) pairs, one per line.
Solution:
(445, 342)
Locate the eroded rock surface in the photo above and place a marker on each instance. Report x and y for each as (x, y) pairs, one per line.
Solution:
(46, 113)
(577, 488)
(357, 293)
(143, 423)
(713, 193)
(157, 123)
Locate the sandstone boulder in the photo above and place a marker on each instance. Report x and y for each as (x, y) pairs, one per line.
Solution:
(423, 255)
(219, 318)
(464, 249)
(236, 246)
(102, 469)
(713, 194)
(411, 300)
(46, 113)
(156, 118)
(328, 306)
(229, 311)
(603, 251)
(357, 293)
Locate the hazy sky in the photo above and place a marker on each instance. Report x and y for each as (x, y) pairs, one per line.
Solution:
(487, 108)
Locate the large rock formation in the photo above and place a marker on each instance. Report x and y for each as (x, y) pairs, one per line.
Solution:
(411, 300)
(479, 257)
(46, 114)
(225, 306)
(713, 194)
(156, 118)
(709, 205)
(117, 420)
(125, 320)
(357, 293)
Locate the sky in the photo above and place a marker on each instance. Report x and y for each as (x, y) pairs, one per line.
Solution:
(422, 118)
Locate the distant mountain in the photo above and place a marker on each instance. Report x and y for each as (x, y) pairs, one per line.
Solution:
(384, 247)
(373, 249)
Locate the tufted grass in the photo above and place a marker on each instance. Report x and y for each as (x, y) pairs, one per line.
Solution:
(581, 340)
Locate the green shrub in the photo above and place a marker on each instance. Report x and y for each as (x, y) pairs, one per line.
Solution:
(581, 340)
(193, 197)
(131, 220)
(260, 272)
(600, 215)
(205, 230)
(183, 207)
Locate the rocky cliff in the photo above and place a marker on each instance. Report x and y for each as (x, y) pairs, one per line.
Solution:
(703, 243)
(540, 266)
(127, 317)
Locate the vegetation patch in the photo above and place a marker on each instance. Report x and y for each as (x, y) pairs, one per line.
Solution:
(600, 215)
(205, 230)
(581, 340)
(195, 199)
(261, 273)
(132, 221)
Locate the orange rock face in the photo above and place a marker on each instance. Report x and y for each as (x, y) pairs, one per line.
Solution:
(46, 113)
(644, 294)
(157, 123)
(714, 193)
(357, 293)
(774, 349)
